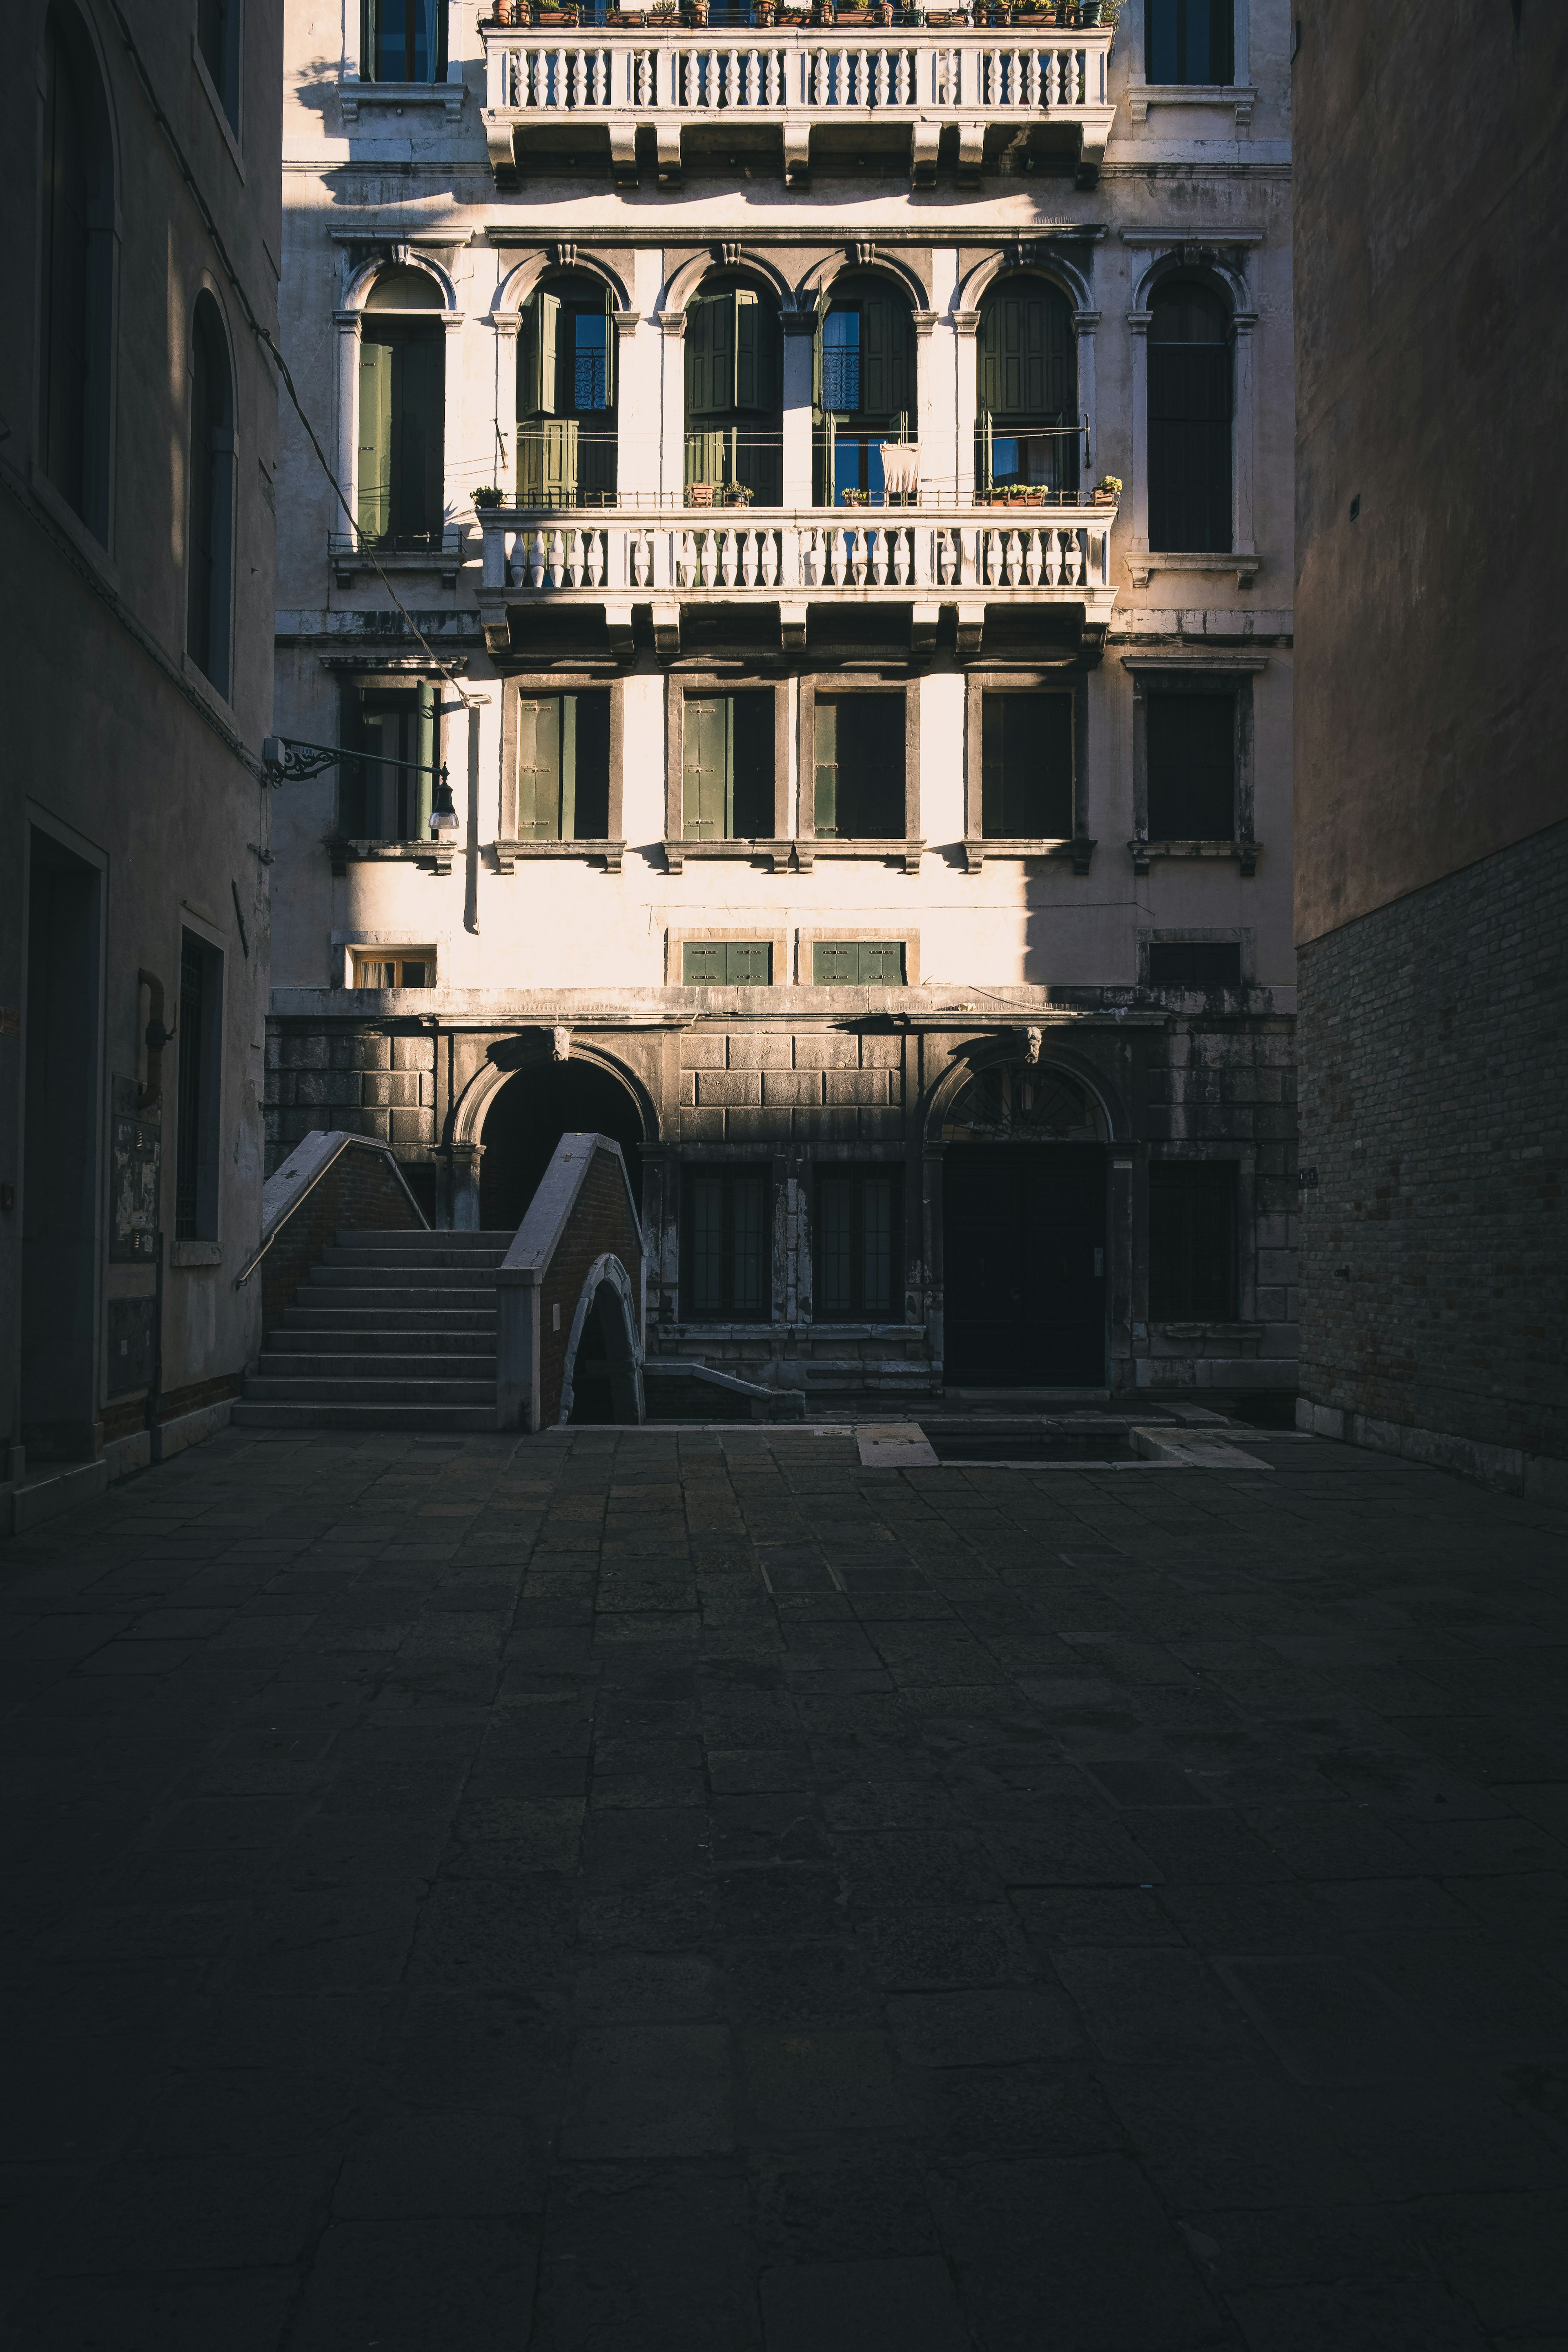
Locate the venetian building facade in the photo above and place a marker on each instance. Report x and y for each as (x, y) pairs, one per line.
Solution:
(875, 823)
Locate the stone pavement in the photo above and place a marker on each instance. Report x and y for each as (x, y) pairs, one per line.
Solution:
(633, 1892)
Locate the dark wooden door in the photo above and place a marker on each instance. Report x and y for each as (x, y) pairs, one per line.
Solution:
(1023, 1273)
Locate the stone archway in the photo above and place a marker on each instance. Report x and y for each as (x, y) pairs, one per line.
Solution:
(527, 1116)
(603, 1380)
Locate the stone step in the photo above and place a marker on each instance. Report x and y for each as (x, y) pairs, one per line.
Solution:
(355, 1371)
(455, 1320)
(331, 1295)
(402, 1278)
(429, 1420)
(398, 1263)
(366, 1391)
(462, 1347)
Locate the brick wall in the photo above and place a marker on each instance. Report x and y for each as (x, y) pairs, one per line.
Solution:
(601, 1221)
(1435, 1108)
(364, 1080)
(359, 1190)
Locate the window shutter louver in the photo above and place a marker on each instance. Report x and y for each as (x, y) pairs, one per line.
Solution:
(708, 779)
(374, 438)
(536, 382)
(826, 750)
(538, 769)
(992, 770)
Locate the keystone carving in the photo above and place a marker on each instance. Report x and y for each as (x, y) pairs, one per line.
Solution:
(1031, 1046)
(560, 1045)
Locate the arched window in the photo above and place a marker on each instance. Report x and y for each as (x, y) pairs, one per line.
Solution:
(1026, 407)
(865, 386)
(1190, 411)
(735, 425)
(402, 412)
(210, 570)
(403, 40)
(566, 394)
(74, 406)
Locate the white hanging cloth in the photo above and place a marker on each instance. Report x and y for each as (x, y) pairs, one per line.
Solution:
(900, 468)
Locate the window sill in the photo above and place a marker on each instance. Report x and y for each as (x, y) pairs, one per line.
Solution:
(1241, 98)
(353, 93)
(60, 510)
(193, 675)
(191, 1254)
(434, 857)
(1244, 561)
(758, 850)
(507, 852)
(892, 851)
(976, 852)
(220, 113)
(1217, 1330)
(1246, 853)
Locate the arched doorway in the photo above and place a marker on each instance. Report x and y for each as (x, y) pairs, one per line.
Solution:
(527, 1119)
(1024, 1231)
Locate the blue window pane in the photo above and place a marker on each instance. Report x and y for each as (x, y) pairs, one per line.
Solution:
(841, 360)
(588, 382)
(1004, 459)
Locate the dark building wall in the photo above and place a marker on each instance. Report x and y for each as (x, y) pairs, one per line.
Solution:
(1434, 1075)
(1431, 783)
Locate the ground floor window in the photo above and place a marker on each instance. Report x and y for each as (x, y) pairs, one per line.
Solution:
(199, 1026)
(726, 963)
(386, 969)
(856, 1236)
(726, 1228)
(1191, 1240)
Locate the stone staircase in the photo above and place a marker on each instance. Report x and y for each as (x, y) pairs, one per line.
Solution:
(389, 1330)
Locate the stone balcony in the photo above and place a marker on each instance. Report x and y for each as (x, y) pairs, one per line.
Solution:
(971, 560)
(794, 95)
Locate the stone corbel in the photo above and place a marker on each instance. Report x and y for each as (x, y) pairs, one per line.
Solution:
(666, 631)
(796, 154)
(792, 628)
(624, 153)
(672, 322)
(497, 626)
(924, 321)
(924, 143)
(618, 629)
(913, 851)
(970, 153)
(924, 619)
(502, 150)
(970, 630)
(967, 322)
(1082, 854)
(669, 167)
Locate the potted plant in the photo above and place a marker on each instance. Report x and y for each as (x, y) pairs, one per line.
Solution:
(883, 12)
(1107, 490)
(855, 498)
(695, 12)
(700, 494)
(737, 494)
(765, 13)
(563, 15)
(489, 494)
(912, 17)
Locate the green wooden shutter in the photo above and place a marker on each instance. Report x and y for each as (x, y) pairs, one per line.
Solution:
(987, 455)
(706, 454)
(702, 394)
(536, 374)
(993, 763)
(857, 963)
(708, 783)
(539, 769)
(726, 963)
(425, 782)
(825, 749)
(988, 373)
(547, 463)
(885, 383)
(755, 371)
(374, 438)
(568, 767)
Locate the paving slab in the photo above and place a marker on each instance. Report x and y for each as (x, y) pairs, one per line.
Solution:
(766, 1889)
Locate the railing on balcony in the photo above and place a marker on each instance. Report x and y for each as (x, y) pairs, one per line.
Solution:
(773, 72)
(794, 78)
(1059, 551)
